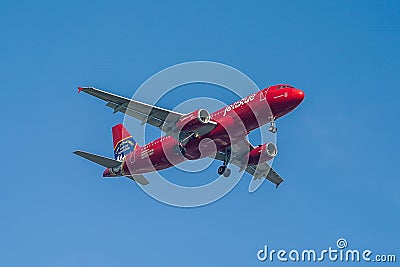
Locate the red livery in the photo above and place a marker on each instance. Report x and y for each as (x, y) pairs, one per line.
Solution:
(220, 135)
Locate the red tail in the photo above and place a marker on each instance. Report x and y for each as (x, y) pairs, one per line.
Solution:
(123, 142)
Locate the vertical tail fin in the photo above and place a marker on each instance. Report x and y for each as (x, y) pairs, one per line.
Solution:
(123, 142)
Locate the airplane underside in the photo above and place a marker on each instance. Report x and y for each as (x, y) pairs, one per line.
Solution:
(199, 134)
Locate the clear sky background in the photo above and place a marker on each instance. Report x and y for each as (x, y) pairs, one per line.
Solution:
(338, 152)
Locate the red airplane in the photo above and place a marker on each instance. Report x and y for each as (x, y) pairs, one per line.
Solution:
(220, 135)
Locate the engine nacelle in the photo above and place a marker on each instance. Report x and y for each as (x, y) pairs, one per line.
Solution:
(262, 153)
(190, 122)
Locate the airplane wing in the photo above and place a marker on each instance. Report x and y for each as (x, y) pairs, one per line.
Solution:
(238, 151)
(264, 170)
(146, 113)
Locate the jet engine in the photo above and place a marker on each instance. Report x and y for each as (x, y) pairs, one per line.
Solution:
(262, 153)
(192, 121)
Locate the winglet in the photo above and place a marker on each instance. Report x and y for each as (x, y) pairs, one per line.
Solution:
(79, 89)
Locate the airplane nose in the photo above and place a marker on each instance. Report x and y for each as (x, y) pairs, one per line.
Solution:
(298, 95)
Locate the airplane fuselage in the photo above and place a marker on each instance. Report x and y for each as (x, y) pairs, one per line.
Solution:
(234, 123)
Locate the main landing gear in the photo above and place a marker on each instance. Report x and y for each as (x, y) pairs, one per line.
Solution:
(180, 149)
(272, 127)
(224, 170)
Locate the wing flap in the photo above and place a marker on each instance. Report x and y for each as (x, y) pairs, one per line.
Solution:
(274, 177)
(266, 171)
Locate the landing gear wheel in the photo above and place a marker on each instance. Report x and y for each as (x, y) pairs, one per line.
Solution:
(227, 172)
(221, 169)
(273, 129)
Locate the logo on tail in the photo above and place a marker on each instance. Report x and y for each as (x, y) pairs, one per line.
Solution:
(123, 142)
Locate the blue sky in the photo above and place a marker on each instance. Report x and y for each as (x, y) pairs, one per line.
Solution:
(338, 151)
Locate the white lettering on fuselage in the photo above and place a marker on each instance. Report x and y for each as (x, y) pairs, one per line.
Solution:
(239, 103)
(146, 153)
(283, 95)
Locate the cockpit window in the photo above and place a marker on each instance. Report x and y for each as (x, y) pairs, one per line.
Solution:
(284, 86)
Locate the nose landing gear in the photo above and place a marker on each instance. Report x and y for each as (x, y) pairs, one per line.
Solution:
(272, 127)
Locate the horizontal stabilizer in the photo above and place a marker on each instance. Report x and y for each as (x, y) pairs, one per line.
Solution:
(139, 178)
(103, 161)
